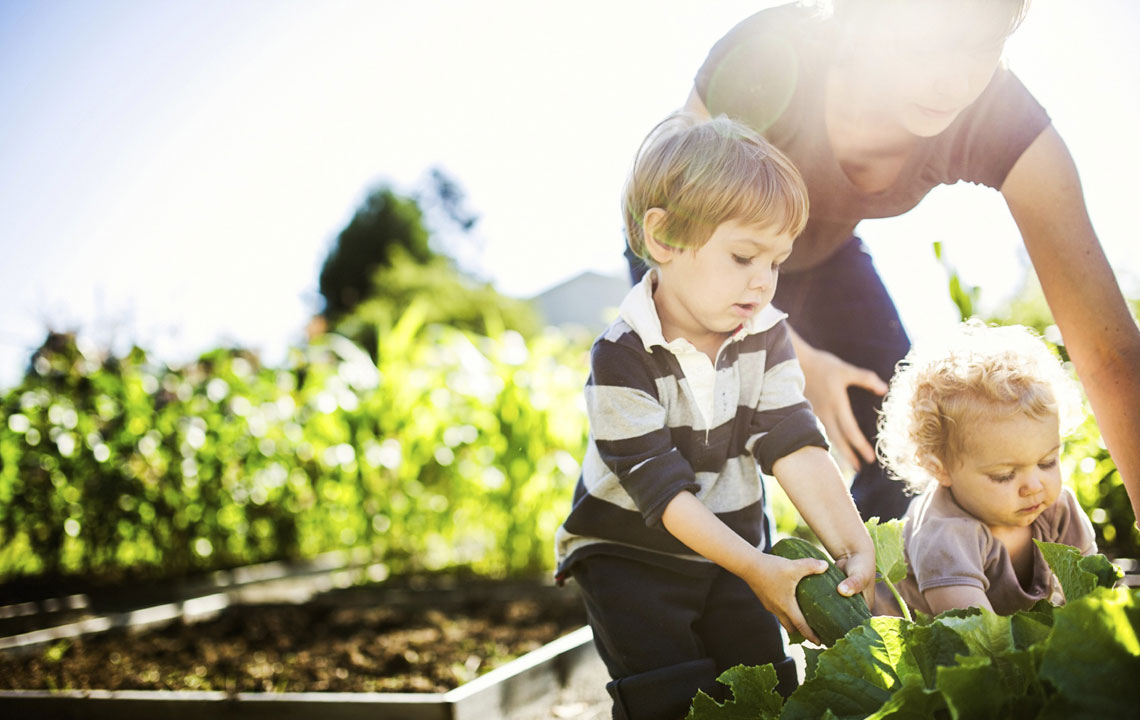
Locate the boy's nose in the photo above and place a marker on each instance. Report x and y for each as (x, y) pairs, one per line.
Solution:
(761, 279)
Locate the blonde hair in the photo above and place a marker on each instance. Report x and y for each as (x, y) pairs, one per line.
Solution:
(980, 370)
(705, 172)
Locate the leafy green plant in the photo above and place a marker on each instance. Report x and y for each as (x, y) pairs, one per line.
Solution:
(454, 450)
(890, 560)
(1078, 660)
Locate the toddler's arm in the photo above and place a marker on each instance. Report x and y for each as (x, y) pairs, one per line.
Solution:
(950, 597)
(812, 482)
(772, 578)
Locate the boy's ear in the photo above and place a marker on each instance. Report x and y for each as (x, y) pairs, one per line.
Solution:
(651, 226)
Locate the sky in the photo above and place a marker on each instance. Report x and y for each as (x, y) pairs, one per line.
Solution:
(173, 174)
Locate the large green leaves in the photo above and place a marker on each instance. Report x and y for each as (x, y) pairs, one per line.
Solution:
(857, 676)
(1092, 657)
(1081, 660)
(1078, 574)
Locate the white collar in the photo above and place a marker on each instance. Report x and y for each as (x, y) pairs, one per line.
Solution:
(640, 313)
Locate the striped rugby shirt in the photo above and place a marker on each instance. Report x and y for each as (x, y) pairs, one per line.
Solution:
(663, 420)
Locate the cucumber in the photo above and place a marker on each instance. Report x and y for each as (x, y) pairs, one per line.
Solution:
(827, 612)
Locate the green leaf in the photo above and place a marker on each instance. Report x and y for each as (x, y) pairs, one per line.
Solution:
(753, 692)
(1106, 573)
(1092, 658)
(890, 558)
(988, 688)
(1030, 627)
(983, 631)
(811, 660)
(912, 702)
(861, 672)
(1078, 574)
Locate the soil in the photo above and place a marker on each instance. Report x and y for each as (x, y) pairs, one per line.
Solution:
(358, 640)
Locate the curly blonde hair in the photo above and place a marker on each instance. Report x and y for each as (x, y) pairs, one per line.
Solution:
(980, 371)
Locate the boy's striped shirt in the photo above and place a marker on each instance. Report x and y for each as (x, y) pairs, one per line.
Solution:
(663, 420)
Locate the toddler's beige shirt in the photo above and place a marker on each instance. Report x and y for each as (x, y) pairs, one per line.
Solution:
(946, 546)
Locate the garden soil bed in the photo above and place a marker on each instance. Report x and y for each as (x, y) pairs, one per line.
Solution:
(426, 639)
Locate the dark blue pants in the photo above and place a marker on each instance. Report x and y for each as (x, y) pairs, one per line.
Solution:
(842, 306)
(664, 635)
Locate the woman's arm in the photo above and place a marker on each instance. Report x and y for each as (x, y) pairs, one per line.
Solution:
(1044, 195)
(951, 597)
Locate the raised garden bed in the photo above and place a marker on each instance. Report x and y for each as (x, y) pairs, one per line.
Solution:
(441, 648)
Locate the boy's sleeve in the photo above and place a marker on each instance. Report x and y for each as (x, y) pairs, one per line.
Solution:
(783, 421)
(628, 425)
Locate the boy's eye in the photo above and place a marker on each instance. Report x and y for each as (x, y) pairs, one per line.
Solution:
(775, 267)
(1003, 478)
(1048, 464)
(741, 260)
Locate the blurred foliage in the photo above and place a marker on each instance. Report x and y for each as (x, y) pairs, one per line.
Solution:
(429, 421)
(384, 260)
(448, 297)
(964, 297)
(456, 450)
(1087, 464)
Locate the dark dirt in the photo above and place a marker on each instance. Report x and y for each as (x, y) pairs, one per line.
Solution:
(359, 640)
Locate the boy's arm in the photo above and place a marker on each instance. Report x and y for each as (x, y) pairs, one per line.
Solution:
(772, 578)
(813, 483)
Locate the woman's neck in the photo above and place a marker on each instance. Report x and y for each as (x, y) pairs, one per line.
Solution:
(867, 140)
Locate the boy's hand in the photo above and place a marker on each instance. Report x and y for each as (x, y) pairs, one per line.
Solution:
(860, 569)
(774, 581)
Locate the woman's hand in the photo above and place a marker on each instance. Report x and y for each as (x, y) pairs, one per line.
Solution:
(827, 379)
(774, 581)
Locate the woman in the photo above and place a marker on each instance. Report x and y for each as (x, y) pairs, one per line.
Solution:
(878, 102)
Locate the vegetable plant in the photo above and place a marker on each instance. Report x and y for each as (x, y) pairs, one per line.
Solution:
(1079, 660)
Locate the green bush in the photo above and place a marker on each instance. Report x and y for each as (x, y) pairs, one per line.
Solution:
(456, 450)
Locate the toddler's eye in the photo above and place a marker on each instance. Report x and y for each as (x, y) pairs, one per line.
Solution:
(775, 267)
(740, 260)
(1003, 478)
(1047, 465)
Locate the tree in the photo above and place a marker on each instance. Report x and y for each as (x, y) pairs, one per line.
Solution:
(386, 220)
(397, 249)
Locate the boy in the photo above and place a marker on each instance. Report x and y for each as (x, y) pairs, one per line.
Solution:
(692, 386)
(976, 427)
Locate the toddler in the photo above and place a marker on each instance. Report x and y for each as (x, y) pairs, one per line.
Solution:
(976, 428)
(690, 389)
